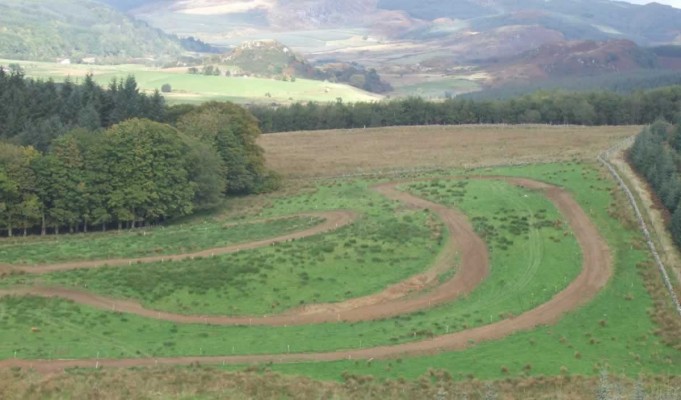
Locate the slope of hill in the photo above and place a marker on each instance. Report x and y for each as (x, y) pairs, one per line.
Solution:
(76, 29)
(378, 32)
(269, 58)
(576, 19)
(455, 40)
(272, 59)
(575, 58)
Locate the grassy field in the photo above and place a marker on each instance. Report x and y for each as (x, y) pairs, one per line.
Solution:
(383, 247)
(383, 150)
(627, 329)
(199, 88)
(435, 88)
(205, 233)
(613, 332)
(257, 383)
(514, 273)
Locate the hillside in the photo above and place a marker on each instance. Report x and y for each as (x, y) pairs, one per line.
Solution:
(272, 59)
(416, 44)
(575, 58)
(269, 58)
(395, 19)
(576, 19)
(427, 47)
(76, 29)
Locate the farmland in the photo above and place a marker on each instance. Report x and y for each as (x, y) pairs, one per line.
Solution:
(546, 272)
(196, 89)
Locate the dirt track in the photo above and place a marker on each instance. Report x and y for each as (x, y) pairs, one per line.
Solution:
(472, 270)
(332, 220)
(595, 274)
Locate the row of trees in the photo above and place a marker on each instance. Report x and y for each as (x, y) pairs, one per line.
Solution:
(33, 112)
(597, 108)
(136, 172)
(656, 154)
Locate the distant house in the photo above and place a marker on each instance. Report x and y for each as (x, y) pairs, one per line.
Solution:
(65, 61)
(89, 60)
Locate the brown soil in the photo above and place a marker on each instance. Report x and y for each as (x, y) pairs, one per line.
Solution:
(595, 274)
(353, 151)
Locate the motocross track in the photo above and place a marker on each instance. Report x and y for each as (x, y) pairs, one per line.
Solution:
(595, 274)
(472, 270)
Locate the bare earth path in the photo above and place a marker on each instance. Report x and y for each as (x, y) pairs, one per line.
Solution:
(595, 274)
(473, 269)
(332, 221)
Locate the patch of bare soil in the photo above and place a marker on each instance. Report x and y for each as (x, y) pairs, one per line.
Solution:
(356, 151)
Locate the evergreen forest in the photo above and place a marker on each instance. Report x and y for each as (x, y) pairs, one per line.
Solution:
(656, 155)
(542, 107)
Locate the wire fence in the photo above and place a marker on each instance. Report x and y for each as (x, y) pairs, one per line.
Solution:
(604, 158)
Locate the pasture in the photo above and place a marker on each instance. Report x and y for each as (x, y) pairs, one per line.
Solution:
(198, 89)
(546, 275)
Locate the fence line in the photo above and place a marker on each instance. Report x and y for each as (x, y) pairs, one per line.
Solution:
(604, 158)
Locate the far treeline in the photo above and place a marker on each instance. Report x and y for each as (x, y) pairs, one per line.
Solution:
(554, 107)
(77, 157)
(656, 154)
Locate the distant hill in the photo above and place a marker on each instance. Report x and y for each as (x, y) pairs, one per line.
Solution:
(77, 29)
(269, 58)
(650, 24)
(272, 59)
(574, 59)
(490, 42)
(385, 33)
(576, 19)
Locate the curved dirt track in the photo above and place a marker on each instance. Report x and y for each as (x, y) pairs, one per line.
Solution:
(332, 220)
(595, 274)
(472, 270)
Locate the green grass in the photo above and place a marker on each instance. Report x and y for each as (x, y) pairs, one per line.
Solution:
(626, 343)
(384, 246)
(437, 89)
(520, 228)
(82, 332)
(199, 88)
(355, 261)
(197, 234)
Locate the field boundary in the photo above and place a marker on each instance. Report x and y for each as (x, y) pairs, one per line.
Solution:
(604, 159)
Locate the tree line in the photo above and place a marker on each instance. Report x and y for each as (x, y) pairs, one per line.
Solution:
(34, 112)
(555, 107)
(133, 173)
(656, 155)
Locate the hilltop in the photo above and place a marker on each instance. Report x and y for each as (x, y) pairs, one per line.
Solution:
(269, 58)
